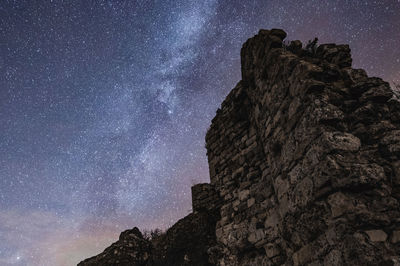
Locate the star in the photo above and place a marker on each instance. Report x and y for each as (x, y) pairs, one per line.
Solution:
(104, 106)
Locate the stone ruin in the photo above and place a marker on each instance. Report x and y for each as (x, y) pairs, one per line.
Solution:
(304, 159)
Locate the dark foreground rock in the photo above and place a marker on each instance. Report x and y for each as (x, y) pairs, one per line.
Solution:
(185, 243)
(130, 249)
(304, 158)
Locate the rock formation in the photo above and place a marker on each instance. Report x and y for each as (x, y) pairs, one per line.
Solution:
(304, 159)
(130, 249)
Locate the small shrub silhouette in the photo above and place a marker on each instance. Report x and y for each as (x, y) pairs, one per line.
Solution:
(152, 234)
(312, 46)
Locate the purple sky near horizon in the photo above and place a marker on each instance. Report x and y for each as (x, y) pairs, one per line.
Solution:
(104, 106)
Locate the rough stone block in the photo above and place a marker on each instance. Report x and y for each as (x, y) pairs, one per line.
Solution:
(376, 235)
(395, 237)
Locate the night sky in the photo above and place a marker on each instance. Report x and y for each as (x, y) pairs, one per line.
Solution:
(104, 106)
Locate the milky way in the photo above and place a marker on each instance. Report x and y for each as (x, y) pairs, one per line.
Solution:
(104, 106)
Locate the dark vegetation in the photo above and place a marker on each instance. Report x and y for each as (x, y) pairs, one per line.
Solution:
(153, 234)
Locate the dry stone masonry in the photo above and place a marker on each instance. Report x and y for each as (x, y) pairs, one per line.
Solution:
(205, 198)
(304, 159)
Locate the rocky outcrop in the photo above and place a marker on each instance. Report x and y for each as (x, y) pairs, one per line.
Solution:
(186, 242)
(304, 159)
(130, 249)
(305, 153)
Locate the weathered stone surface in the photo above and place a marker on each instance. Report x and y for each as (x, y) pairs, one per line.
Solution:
(185, 243)
(396, 236)
(376, 235)
(130, 249)
(304, 158)
(329, 161)
(205, 198)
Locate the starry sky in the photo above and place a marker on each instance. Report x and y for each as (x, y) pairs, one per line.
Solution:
(104, 106)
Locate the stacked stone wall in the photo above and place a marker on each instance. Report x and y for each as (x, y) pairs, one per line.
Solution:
(205, 198)
(304, 154)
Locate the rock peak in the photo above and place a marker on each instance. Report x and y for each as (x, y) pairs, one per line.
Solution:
(130, 233)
